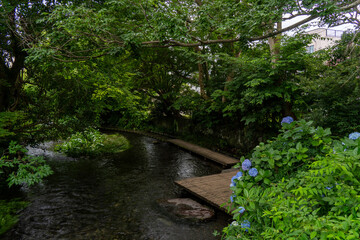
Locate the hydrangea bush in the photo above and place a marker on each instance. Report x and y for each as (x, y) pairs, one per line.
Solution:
(304, 184)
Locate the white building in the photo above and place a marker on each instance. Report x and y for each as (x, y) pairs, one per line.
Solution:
(326, 38)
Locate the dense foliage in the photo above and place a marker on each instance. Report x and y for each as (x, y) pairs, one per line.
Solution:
(331, 90)
(17, 168)
(222, 65)
(91, 143)
(301, 185)
(219, 63)
(8, 210)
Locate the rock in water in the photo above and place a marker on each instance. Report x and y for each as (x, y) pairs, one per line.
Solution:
(188, 209)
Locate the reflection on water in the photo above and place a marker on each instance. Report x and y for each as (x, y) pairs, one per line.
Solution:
(114, 197)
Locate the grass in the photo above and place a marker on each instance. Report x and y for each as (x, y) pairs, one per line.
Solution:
(115, 143)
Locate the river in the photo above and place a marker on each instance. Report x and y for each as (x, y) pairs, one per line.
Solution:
(115, 197)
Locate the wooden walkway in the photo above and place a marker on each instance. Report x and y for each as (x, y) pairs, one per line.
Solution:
(214, 189)
(224, 160)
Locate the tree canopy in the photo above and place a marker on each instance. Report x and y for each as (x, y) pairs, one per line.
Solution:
(213, 68)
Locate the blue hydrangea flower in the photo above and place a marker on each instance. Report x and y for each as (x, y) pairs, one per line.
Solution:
(253, 172)
(241, 209)
(232, 198)
(246, 164)
(237, 176)
(343, 145)
(287, 119)
(329, 188)
(245, 224)
(354, 135)
(232, 180)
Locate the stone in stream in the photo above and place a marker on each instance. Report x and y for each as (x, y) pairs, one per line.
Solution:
(188, 209)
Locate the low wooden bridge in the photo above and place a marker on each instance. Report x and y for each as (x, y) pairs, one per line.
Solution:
(214, 189)
(219, 158)
(222, 159)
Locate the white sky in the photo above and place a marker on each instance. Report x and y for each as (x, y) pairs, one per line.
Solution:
(292, 21)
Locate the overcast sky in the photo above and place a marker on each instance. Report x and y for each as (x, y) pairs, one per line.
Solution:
(292, 21)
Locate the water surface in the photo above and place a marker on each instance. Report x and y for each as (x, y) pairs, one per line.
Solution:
(115, 197)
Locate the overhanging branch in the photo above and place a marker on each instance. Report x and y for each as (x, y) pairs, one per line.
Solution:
(175, 43)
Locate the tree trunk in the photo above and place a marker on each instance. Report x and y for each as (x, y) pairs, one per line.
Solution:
(274, 44)
(202, 67)
(207, 75)
(3, 89)
(10, 90)
(229, 78)
(201, 76)
(10, 78)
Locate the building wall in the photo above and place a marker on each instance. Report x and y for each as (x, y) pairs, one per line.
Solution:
(327, 38)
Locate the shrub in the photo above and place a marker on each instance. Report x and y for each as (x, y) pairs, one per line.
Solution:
(88, 142)
(18, 168)
(91, 142)
(8, 210)
(305, 187)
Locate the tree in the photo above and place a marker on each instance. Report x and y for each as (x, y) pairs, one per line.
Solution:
(180, 23)
(25, 88)
(333, 88)
(164, 75)
(202, 25)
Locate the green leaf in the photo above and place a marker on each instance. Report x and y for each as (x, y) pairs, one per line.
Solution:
(246, 193)
(267, 181)
(258, 178)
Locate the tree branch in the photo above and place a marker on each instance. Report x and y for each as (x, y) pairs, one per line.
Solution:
(197, 42)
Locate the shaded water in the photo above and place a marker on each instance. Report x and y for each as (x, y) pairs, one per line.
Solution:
(114, 197)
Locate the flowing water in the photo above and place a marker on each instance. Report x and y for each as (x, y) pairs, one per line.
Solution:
(114, 197)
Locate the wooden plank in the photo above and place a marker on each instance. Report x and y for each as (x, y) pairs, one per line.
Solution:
(214, 189)
(208, 154)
